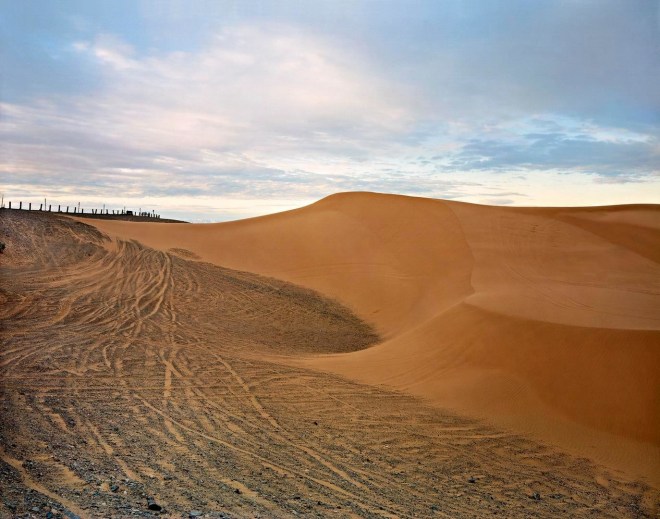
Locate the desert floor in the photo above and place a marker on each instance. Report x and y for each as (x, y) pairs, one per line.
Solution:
(319, 384)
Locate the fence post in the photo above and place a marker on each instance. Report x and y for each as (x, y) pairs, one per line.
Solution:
(20, 205)
(29, 206)
(67, 209)
(9, 205)
(40, 207)
(49, 208)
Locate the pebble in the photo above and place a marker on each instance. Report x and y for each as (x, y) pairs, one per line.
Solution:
(152, 505)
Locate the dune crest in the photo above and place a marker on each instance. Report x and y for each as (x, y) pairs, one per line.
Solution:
(544, 320)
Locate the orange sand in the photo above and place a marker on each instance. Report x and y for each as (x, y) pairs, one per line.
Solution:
(545, 321)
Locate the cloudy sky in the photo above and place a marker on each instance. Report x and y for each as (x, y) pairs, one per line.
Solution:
(215, 110)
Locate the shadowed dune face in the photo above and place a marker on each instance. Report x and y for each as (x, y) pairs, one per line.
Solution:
(127, 371)
(546, 320)
(537, 265)
(272, 315)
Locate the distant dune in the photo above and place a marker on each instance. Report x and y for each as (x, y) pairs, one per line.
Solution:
(544, 320)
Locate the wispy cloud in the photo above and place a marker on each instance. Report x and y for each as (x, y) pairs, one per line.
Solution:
(625, 160)
(213, 120)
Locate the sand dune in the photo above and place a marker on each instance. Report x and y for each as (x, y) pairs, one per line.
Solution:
(130, 368)
(545, 320)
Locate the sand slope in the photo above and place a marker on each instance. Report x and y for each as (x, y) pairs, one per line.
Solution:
(128, 372)
(544, 320)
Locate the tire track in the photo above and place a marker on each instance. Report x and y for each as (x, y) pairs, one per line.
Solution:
(126, 363)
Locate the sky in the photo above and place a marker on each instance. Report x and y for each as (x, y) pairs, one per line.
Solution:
(219, 110)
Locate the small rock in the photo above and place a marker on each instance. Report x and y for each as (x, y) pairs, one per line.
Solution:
(35, 509)
(50, 515)
(195, 513)
(114, 488)
(472, 480)
(238, 491)
(152, 505)
(535, 496)
(316, 423)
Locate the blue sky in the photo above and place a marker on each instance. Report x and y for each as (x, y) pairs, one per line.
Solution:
(211, 110)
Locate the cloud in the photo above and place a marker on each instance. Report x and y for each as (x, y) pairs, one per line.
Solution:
(626, 159)
(497, 201)
(248, 85)
(445, 99)
(218, 120)
(591, 59)
(109, 50)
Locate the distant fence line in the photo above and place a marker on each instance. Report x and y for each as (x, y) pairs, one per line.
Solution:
(78, 210)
